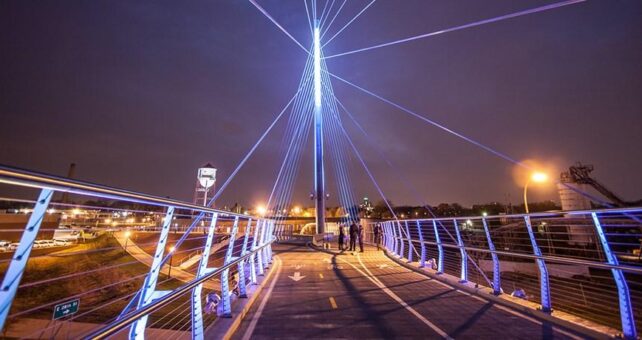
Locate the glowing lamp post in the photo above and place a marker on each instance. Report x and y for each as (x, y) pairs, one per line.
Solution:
(537, 177)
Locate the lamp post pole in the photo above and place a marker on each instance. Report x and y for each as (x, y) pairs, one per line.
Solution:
(538, 177)
(526, 196)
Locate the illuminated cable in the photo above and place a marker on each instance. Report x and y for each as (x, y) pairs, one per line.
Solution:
(365, 166)
(431, 122)
(461, 27)
(348, 24)
(334, 17)
(277, 24)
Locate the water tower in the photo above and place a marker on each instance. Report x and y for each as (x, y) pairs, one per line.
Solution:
(205, 184)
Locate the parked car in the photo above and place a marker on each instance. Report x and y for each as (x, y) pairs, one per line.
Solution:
(60, 243)
(43, 244)
(4, 245)
(14, 246)
(37, 244)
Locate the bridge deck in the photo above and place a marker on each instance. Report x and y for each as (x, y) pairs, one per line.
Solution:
(366, 295)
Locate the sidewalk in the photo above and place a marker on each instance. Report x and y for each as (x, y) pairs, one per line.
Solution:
(146, 259)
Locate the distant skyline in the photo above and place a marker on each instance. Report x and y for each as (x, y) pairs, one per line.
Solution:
(140, 94)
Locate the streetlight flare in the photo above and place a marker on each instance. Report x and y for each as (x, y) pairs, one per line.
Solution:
(539, 177)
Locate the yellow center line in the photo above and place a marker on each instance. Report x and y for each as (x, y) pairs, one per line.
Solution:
(333, 303)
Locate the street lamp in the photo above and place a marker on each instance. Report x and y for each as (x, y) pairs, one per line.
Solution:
(171, 257)
(537, 177)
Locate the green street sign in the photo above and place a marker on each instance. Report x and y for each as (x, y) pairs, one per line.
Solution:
(67, 308)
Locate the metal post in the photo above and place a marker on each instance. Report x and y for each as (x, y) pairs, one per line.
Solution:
(409, 242)
(18, 263)
(401, 243)
(393, 239)
(496, 273)
(464, 256)
(241, 265)
(264, 237)
(270, 235)
(545, 290)
(253, 256)
(319, 175)
(259, 254)
(626, 309)
(148, 291)
(386, 235)
(225, 275)
(270, 240)
(422, 260)
(197, 309)
(440, 249)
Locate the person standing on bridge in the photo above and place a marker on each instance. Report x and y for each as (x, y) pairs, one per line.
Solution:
(377, 234)
(360, 232)
(353, 236)
(342, 236)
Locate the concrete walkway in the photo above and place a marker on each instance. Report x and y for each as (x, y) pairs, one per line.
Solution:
(368, 296)
(147, 259)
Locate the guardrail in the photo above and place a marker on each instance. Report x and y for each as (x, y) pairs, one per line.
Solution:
(122, 276)
(586, 263)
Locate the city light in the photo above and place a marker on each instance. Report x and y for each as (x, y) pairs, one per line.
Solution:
(296, 210)
(171, 249)
(539, 177)
(128, 234)
(261, 210)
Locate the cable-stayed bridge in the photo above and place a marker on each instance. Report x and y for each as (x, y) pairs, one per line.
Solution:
(133, 265)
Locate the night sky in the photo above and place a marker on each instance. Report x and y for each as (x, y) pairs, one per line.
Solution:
(141, 93)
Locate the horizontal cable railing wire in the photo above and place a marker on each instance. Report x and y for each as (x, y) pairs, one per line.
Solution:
(586, 262)
(100, 253)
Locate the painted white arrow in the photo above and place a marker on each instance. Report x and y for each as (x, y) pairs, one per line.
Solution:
(381, 266)
(297, 277)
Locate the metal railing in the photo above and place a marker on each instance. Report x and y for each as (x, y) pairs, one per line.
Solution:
(59, 256)
(585, 263)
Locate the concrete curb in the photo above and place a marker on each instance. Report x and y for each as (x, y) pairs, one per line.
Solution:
(587, 329)
(228, 326)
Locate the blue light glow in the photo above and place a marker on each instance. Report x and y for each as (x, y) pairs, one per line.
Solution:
(317, 68)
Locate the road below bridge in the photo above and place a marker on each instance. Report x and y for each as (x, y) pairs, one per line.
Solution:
(366, 295)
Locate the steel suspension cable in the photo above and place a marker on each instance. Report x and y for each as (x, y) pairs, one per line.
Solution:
(461, 27)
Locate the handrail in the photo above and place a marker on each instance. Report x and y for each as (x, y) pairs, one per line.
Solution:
(28, 178)
(554, 259)
(132, 316)
(532, 215)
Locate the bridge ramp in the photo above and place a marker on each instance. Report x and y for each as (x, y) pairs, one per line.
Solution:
(366, 295)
